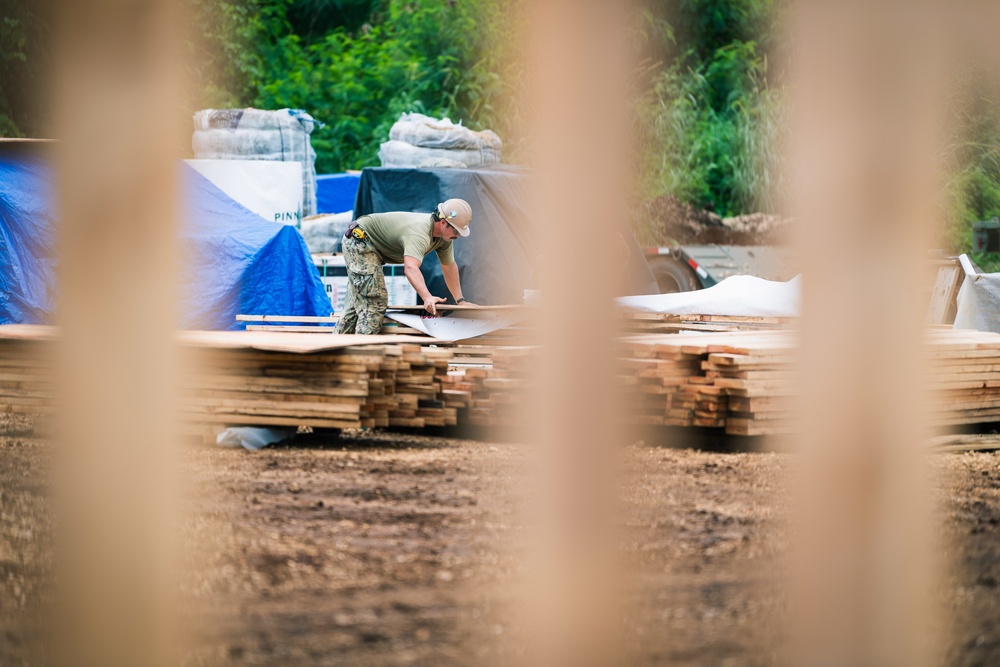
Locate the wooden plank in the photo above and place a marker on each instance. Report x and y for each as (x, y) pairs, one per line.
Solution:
(949, 278)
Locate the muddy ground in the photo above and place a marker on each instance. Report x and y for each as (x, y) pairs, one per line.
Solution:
(388, 549)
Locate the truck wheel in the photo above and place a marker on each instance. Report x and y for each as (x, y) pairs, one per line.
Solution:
(673, 276)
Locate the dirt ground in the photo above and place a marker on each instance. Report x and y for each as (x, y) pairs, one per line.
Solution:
(375, 548)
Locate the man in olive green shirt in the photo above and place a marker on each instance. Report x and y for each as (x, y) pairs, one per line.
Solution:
(399, 238)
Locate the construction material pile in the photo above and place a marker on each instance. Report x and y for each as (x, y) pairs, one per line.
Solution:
(259, 134)
(743, 382)
(354, 386)
(740, 381)
(489, 383)
(416, 140)
(664, 220)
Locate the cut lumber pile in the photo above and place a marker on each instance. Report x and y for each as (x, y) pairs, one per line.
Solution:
(26, 376)
(489, 383)
(743, 382)
(965, 377)
(709, 379)
(351, 387)
(635, 323)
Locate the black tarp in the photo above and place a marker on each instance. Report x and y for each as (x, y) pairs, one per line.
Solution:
(496, 261)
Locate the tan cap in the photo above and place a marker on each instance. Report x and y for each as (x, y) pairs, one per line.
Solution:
(457, 213)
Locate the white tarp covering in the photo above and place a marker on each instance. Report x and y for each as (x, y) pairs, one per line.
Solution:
(272, 190)
(742, 296)
(978, 300)
(459, 325)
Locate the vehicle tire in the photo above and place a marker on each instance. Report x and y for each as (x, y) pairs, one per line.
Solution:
(673, 276)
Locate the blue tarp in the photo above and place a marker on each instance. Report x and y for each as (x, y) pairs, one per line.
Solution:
(335, 193)
(239, 263)
(235, 261)
(27, 235)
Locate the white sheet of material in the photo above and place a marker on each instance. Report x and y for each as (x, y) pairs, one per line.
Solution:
(978, 300)
(743, 296)
(459, 325)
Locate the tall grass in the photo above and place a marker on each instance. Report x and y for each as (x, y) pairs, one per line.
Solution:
(972, 160)
(713, 130)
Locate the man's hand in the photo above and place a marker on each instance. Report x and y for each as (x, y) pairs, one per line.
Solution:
(466, 302)
(429, 304)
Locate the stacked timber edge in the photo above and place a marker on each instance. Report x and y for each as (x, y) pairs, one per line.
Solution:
(740, 382)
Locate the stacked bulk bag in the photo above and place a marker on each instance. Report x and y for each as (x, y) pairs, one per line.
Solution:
(255, 134)
(416, 140)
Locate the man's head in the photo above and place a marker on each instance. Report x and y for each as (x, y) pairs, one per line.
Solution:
(457, 213)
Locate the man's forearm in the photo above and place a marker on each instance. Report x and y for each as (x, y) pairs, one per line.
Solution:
(416, 279)
(451, 279)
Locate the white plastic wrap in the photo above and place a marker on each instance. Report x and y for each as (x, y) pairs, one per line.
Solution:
(255, 134)
(741, 296)
(459, 325)
(979, 303)
(426, 132)
(325, 233)
(401, 154)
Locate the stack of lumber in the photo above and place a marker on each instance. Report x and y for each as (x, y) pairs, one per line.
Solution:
(740, 381)
(758, 383)
(743, 382)
(415, 374)
(489, 383)
(500, 399)
(327, 389)
(26, 378)
(635, 323)
(656, 378)
(965, 377)
(384, 385)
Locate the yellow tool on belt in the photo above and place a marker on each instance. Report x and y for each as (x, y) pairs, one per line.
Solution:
(358, 233)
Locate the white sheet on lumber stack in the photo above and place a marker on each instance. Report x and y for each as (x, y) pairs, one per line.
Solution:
(745, 296)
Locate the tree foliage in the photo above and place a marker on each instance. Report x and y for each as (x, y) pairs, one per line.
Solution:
(710, 108)
(973, 162)
(711, 115)
(25, 48)
(357, 76)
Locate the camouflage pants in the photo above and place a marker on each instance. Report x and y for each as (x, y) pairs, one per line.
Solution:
(367, 298)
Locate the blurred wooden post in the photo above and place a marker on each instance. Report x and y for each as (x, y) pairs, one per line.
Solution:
(868, 104)
(580, 70)
(117, 92)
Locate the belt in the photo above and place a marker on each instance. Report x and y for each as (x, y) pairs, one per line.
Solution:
(355, 231)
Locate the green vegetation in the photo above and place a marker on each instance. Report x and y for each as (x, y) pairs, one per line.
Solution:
(710, 102)
(25, 48)
(973, 159)
(711, 113)
(356, 66)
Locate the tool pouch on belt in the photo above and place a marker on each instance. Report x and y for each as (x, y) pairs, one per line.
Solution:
(354, 231)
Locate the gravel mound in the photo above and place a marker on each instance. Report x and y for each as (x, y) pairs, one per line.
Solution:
(667, 220)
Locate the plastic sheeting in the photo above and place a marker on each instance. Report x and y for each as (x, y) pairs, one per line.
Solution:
(496, 261)
(978, 300)
(239, 263)
(258, 134)
(742, 296)
(458, 325)
(27, 234)
(235, 261)
(254, 437)
(335, 193)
